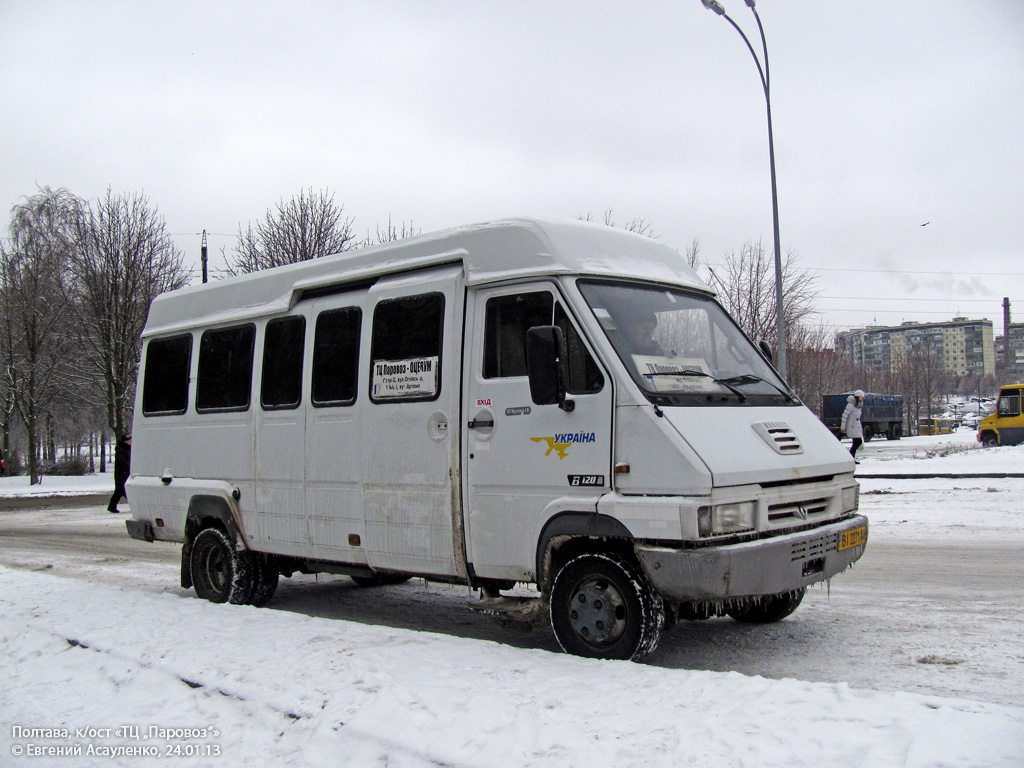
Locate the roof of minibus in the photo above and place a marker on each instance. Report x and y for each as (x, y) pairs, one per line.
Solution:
(491, 252)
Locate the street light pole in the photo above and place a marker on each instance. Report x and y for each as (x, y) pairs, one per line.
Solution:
(780, 318)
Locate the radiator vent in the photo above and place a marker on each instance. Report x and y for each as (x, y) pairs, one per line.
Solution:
(779, 436)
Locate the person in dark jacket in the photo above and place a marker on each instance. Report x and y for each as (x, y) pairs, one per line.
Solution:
(122, 469)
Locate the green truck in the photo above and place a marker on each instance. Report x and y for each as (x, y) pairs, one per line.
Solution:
(880, 414)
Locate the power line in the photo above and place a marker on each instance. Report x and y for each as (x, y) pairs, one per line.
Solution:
(910, 299)
(894, 271)
(880, 311)
(913, 272)
(199, 234)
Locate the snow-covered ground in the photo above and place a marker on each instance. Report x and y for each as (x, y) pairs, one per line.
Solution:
(225, 685)
(955, 453)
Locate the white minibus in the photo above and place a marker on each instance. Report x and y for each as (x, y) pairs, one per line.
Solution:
(526, 402)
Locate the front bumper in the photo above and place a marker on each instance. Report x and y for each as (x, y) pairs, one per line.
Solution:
(752, 568)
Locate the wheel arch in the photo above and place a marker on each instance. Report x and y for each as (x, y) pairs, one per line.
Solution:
(568, 534)
(990, 435)
(207, 511)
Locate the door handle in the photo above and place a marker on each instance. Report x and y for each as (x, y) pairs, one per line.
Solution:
(481, 423)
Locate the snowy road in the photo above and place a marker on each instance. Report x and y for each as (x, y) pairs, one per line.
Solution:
(936, 606)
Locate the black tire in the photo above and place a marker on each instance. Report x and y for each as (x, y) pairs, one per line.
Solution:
(219, 573)
(990, 440)
(895, 432)
(868, 433)
(602, 607)
(265, 578)
(769, 609)
(380, 579)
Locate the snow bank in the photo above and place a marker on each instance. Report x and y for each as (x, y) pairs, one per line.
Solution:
(955, 453)
(53, 485)
(273, 688)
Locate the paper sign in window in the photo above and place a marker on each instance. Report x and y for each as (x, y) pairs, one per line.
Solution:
(399, 379)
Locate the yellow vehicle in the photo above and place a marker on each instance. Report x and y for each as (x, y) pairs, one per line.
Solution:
(934, 426)
(1006, 425)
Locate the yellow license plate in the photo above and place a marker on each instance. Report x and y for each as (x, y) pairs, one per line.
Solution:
(858, 537)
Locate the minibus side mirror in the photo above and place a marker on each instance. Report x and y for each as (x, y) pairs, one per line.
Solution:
(546, 366)
(766, 350)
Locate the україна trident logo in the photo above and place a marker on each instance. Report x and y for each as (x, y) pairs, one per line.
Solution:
(560, 444)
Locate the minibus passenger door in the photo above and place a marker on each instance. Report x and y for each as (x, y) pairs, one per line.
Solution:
(409, 454)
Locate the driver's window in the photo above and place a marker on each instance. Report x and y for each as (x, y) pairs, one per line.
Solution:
(1009, 405)
(507, 319)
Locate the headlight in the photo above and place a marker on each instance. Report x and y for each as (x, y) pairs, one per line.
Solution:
(727, 518)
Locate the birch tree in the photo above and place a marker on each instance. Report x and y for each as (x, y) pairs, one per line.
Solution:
(37, 317)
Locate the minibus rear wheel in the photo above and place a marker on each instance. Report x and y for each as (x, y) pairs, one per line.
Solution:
(603, 607)
(219, 573)
(265, 577)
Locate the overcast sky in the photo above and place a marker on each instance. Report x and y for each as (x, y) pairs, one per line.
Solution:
(888, 115)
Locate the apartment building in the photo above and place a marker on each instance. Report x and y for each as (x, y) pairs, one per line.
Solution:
(1010, 351)
(965, 346)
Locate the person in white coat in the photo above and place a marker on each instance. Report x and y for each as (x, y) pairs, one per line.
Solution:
(851, 422)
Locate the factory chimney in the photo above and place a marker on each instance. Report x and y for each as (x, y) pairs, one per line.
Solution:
(1006, 332)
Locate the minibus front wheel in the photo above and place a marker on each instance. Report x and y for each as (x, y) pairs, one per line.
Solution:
(603, 607)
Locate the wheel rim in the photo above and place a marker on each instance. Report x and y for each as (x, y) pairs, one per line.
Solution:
(215, 569)
(597, 611)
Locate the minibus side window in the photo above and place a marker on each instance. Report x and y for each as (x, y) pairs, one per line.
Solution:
(405, 350)
(507, 320)
(336, 357)
(225, 369)
(584, 375)
(165, 386)
(283, 344)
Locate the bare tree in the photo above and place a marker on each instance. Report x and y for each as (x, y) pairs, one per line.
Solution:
(122, 260)
(638, 224)
(815, 368)
(925, 379)
(692, 256)
(38, 319)
(746, 288)
(389, 234)
(306, 227)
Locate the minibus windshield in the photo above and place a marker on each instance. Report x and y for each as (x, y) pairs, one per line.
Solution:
(682, 348)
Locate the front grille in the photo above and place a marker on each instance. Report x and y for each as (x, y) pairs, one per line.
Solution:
(797, 510)
(797, 481)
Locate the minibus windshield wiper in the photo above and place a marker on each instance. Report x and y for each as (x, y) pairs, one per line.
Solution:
(702, 374)
(749, 378)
